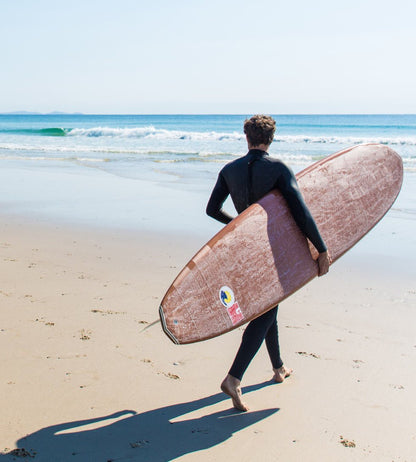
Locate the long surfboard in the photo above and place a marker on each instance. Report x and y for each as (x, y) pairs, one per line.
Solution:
(261, 257)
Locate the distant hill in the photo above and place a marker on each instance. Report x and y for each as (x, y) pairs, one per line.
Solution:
(20, 113)
(40, 113)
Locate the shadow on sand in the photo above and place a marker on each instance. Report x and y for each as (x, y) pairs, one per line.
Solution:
(150, 436)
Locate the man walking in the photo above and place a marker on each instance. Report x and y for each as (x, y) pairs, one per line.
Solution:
(246, 180)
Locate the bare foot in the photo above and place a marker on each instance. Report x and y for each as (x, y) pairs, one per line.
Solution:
(281, 373)
(231, 387)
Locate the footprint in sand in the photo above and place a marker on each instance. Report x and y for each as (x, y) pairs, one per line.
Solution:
(205, 431)
(21, 452)
(357, 363)
(397, 387)
(85, 334)
(139, 444)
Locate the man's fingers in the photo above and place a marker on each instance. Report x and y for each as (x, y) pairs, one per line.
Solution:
(324, 260)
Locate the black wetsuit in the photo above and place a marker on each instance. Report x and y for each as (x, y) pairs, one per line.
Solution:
(247, 180)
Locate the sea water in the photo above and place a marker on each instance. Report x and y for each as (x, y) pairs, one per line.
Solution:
(157, 171)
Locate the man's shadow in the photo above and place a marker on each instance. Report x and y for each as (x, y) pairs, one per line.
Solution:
(150, 436)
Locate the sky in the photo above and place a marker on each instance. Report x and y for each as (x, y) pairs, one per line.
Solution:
(213, 56)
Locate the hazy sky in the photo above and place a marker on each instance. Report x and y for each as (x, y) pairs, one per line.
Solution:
(213, 56)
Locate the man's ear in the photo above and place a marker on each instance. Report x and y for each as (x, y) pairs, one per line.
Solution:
(248, 143)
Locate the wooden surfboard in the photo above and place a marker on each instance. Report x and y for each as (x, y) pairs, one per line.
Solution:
(261, 257)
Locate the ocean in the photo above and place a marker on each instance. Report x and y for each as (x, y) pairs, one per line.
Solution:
(157, 171)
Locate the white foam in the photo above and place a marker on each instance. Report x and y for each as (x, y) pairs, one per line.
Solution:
(345, 140)
(151, 132)
(155, 133)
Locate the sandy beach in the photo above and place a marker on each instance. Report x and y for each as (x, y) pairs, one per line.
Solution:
(82, 381)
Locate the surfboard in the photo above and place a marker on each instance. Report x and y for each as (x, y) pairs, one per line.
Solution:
(262, 257)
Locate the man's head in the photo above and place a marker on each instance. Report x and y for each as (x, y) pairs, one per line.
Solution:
(259, 130)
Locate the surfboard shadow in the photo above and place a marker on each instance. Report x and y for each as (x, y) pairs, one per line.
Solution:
(153, 435)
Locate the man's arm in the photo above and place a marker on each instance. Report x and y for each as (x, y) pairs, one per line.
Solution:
(216, 201)
(288, 186)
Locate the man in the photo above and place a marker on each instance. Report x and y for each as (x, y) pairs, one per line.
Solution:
(247, 179)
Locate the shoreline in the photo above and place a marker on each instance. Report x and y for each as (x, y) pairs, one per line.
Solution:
(74, 357)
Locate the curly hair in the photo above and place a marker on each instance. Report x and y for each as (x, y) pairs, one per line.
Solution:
(260, 129)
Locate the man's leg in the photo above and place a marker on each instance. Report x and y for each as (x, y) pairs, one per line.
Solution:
(252, 339)
(272, 343)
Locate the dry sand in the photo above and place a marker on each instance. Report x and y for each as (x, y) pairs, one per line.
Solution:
(81, 381)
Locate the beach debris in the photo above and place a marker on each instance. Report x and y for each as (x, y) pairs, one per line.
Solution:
(346, 443)
(304, 353)
(47, 323)
(171, 376)
(105, 312)
(21, 452)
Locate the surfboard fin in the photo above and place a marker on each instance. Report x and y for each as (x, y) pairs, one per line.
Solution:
(157, 321)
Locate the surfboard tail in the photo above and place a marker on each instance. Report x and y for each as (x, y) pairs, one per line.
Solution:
(165, 328)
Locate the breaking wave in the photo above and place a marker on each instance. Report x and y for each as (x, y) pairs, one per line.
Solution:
(157, 133)
(151, 132)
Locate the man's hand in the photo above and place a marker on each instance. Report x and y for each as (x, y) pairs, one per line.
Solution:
(323, 260)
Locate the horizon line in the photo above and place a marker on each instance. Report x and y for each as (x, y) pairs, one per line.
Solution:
(35, 113)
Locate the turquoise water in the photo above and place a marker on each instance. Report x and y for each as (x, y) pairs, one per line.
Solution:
(157, 171)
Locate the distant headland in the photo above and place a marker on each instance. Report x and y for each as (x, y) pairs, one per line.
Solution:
(40, 113)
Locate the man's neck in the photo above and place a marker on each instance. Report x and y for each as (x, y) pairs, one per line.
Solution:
(260, 147)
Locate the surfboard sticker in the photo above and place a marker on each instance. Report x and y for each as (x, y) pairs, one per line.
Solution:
(227, 298)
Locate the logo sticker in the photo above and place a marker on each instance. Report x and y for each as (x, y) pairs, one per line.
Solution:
(227, 298)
